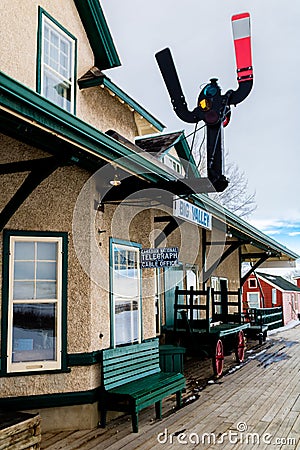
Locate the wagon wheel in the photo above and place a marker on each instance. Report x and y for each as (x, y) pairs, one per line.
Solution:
(218, 358)
(240, 347)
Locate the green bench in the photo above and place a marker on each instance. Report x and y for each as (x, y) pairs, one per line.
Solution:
(132, 380)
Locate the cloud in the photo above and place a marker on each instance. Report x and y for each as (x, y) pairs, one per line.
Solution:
(278, 226)
(287, 232)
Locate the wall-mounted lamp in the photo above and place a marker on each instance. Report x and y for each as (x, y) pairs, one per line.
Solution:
(116, 181)
(228, 234)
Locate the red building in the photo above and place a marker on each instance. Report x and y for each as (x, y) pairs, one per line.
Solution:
(263, 290)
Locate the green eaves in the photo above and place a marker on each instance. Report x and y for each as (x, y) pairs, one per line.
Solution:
(23, 102)
(98, 33)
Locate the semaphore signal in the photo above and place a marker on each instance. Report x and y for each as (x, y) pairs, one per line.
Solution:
(213, 107)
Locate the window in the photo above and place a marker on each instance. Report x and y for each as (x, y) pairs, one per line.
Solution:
(172, 163)
(191, 280)
(252, 283)
(56, 64)
(125, 293)
(253, 300)
(218, 284)
(36, 293)
(274, 297)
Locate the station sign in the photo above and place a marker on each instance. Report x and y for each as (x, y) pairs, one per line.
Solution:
(152, 258)
(191, 213)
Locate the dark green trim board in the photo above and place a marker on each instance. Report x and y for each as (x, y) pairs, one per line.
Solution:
(28, 117)
(39, 116)
(84, 359)
(106, 82)
(7, 234)
(50, 400)
(185, 154)
(98, 33)
(42, 13)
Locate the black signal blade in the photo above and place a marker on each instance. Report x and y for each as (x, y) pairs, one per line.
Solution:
(169, 73)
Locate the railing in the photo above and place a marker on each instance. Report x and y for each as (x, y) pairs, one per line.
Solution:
(273, 317)
(226, 306)
(195, 301)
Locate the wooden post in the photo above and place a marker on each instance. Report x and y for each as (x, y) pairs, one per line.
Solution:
(175, 309)
(207, 312)
(224, 302)
(240, 305)
(191, 306)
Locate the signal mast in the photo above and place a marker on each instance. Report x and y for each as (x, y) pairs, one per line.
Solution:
(213, 107)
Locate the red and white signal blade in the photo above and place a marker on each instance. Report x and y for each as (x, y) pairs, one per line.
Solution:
(242, 44)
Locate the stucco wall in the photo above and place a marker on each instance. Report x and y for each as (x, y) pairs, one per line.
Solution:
(19, 28)
(18, 57)
(50, 208)
(128, 224)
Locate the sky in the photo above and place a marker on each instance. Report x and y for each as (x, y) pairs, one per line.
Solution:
(262, 137)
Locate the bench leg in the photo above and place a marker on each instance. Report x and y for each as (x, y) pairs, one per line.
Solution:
(103, 418)
(135, 422)
(178, 399)
(158, 409)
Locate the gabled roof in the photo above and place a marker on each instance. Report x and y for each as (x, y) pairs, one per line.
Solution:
(98, 33)
(280, 282)
(94, 77)
(28, 116)
(159, 144)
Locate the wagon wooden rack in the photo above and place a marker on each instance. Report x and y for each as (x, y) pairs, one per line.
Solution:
(210, 323)
(262, 320)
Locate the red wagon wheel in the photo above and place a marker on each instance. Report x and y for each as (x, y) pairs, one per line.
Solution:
(240, 347)
(218, 358)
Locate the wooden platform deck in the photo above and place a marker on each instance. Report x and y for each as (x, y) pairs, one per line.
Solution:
(254, 406)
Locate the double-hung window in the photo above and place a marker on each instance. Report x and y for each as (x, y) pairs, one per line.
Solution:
(125, 293)
(56, 63)
(35, 303)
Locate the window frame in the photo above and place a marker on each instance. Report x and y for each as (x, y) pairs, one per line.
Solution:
(254, 281)
(44, 16)
(135, 247)
(274, 297)
(8, 367)
(257, 294)
(172, 162)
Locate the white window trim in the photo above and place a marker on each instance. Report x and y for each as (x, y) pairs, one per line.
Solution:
(72, 82)
(251, 280)
(13, 367)
(258, 298)
(170, 160)
(130, 247)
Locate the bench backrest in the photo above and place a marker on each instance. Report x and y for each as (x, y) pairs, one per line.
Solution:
(125, 364)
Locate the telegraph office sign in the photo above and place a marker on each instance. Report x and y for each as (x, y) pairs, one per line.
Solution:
(192, 213)
(159, 257)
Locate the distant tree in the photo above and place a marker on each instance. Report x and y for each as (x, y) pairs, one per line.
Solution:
(290, 275)
(236, 196)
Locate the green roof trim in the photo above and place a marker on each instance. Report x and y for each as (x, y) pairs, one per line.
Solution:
(106, 82)
(98, 33)
(240, 228)
(21, 104)
(184, 151)
(24, 102)
(161, 144)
